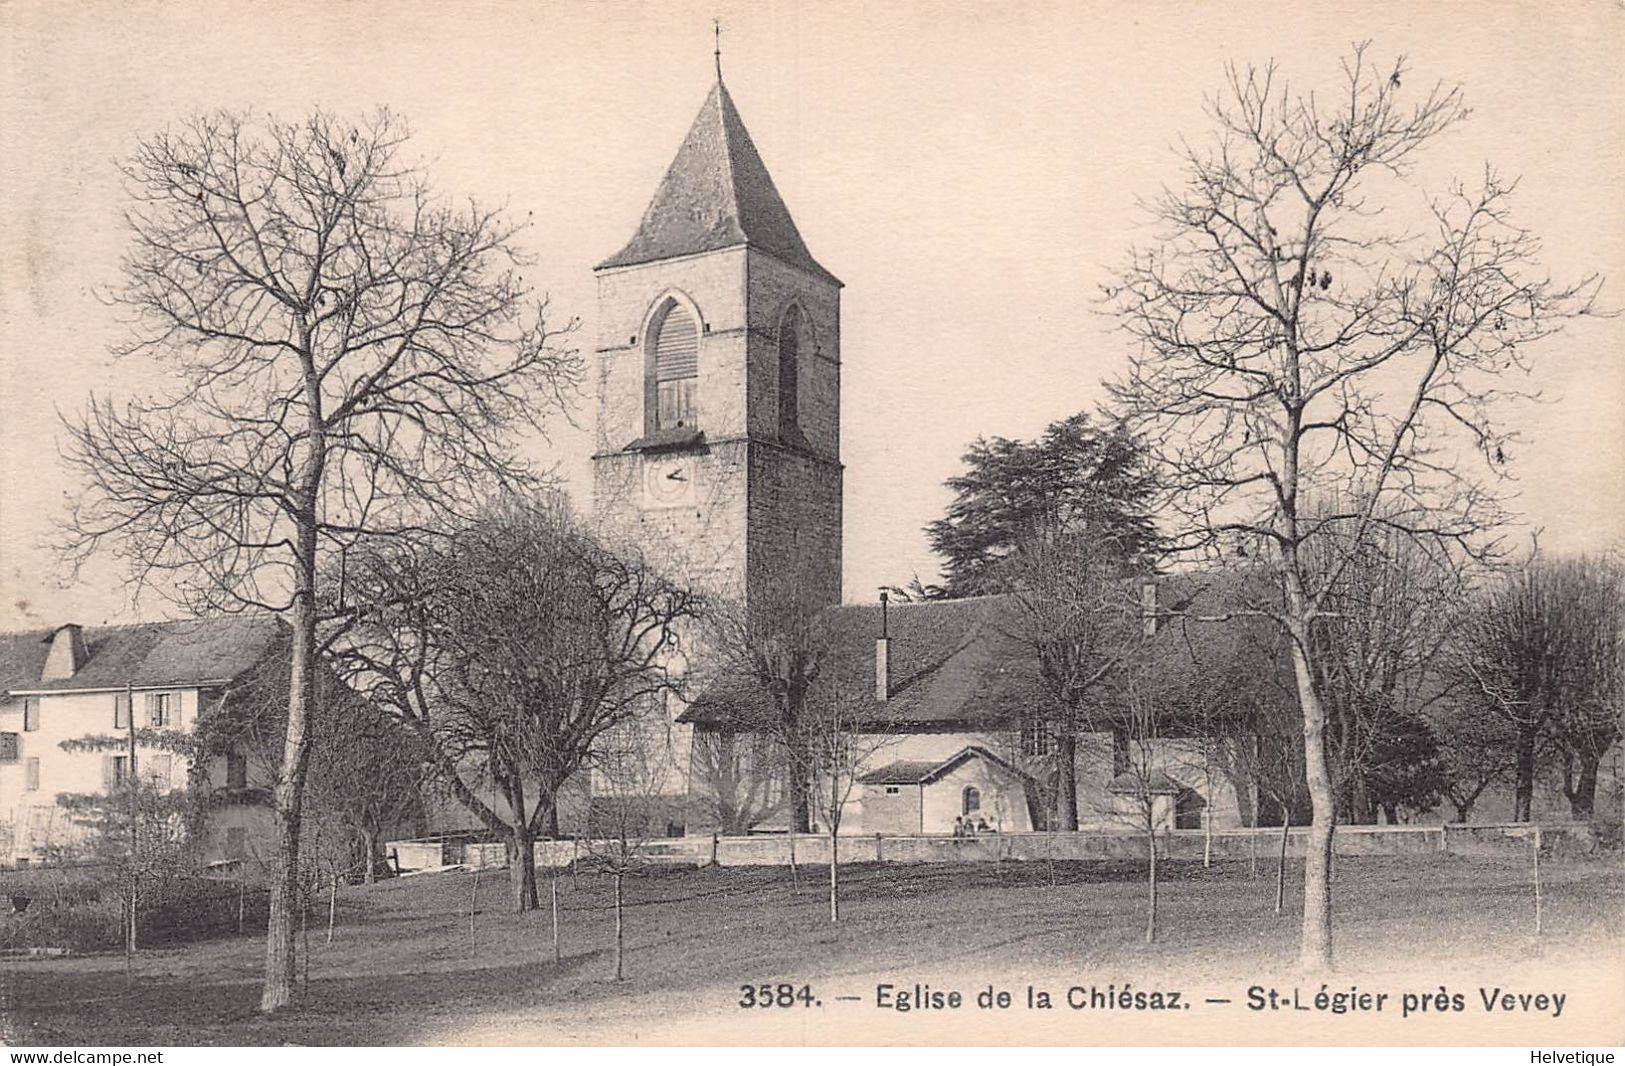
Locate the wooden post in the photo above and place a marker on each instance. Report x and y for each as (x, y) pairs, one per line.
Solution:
(242, 888)
(473, 902)
(1280, 866)
(1538, 915)
(332, 906)
(304, 930)
(620, 939)
(555, 894)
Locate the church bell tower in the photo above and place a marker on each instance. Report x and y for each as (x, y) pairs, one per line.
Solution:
(718, 381)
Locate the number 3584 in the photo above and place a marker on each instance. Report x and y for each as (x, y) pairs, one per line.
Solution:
(777, 995)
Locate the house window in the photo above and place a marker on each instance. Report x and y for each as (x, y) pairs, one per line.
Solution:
(674, 373)
(236, 770)
(1035, 737)
(115, 770)
(30, 714)
(160, 709)
(159, 768)
(31, 774)
(892, 790)
(973, 800)
(9, 745)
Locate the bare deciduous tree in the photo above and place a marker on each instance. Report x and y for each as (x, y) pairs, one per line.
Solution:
(511, 653)
(1544, 650)
(778, 645)
(349, 353)
(1297, 332)
(1077, 610)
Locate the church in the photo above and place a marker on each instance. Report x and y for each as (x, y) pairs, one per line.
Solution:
(717, 455)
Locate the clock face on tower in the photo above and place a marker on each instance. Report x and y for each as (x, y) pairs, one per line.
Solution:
(668, 481)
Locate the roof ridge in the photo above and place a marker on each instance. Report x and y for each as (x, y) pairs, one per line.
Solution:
(730, 187)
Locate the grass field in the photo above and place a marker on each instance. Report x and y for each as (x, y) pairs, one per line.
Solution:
(404, 967)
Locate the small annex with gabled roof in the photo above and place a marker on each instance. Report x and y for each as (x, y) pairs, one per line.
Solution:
(971, 791)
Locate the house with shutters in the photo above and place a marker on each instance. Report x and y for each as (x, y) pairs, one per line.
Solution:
(75, 682)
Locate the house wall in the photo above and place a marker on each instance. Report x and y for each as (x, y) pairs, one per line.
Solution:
(35, 821)
(885, 811)
(1180, 759)
(1003, 799)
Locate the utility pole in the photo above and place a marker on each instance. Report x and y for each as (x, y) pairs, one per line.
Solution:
(132, 786)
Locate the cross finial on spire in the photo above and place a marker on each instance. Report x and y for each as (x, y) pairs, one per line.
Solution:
(716, 24)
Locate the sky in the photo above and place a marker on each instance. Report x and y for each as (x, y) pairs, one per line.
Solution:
(971, 172)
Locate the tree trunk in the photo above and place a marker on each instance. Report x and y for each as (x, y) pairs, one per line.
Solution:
(1315, 941)
(1523, 793)
(795, 871)
(1462, 810)
(369, 875)
(522, 874)
(1280, 865)
(290, 787)
(834, 877)
(1066, 781)
(1583, 800)
(1360, 809)
(620, 931)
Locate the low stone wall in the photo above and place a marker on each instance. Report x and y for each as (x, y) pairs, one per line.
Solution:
(432, 852)
(775, 849)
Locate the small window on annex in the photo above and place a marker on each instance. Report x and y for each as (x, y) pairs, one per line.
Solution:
(973, 799)
(671, 391)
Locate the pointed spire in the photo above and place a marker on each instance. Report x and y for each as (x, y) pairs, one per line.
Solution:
(717, 25)
(717, 194)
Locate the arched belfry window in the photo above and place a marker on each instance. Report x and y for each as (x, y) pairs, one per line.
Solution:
(795, 344)
(674, 368)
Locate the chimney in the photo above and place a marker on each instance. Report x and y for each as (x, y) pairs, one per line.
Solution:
(67, 653)
(883, 655)
(1148, 608)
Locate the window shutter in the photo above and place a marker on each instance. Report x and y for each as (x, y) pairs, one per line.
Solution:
(107, 772)
(33, 774)
(30, 714)
(677, 347)
(121, 711)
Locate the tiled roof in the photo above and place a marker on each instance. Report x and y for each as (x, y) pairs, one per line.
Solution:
(962, 663)
(1155, 783)
(950, 661)
(717, 194)
(146, 655)
(902, 772)
(912, 772)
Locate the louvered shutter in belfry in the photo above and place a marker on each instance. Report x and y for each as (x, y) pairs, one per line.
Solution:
(677, 348)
